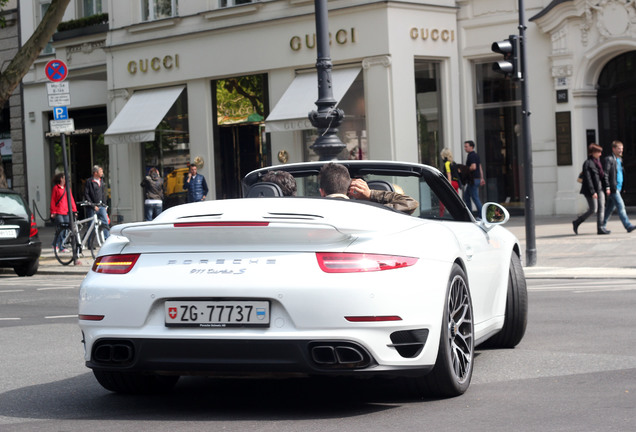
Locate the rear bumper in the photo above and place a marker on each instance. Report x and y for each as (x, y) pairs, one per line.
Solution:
(244, 357)
(12, 255)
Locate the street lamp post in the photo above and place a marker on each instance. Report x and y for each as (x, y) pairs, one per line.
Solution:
(327, 118)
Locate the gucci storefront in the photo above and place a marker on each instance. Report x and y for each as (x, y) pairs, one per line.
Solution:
(229, 88)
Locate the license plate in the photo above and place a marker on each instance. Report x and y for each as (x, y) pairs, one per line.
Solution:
(8, 233)
(221, 313)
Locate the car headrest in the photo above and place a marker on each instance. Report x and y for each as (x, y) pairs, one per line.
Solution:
(264, 189)
(382, 185)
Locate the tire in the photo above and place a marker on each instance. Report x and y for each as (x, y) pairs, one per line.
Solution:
(135, 383)
(516, 320)
(28, 269)
(95, 241)
(453, 368)
(65, 255)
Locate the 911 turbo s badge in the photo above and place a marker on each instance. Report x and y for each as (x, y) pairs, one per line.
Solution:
(222, 266)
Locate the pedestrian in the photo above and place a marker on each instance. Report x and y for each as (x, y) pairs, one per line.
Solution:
(153, 194)
(3, 178)
(196, 186)
(449, 168)
(59, 208)
(595, 187)
(451, 171)
(476, 178)
(613, 166)
(96, 193)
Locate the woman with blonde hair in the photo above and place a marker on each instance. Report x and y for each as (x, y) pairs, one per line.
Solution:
(450, 168)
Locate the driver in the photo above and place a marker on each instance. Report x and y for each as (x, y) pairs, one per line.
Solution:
(335, 182)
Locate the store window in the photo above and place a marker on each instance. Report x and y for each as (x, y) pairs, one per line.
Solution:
(6, 153)
(498, 132)
(428, 100)
(170, 151)
(157, 9)
(240, 143)
(352, 132)
(91, 7)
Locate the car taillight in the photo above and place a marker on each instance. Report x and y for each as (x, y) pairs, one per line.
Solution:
(34, 228)
(115, 264)
(341, 262)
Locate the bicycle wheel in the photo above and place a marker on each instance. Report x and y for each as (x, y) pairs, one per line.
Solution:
(64, 253)
(96, 240)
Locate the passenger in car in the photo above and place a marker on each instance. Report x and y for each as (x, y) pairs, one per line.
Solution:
(335, 182)
(283, 179)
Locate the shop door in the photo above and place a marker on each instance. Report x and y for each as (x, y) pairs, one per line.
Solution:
(241, 152)
(617, 115)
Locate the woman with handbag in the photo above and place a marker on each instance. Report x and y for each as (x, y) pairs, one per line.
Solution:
(595, 187)
(59, 206)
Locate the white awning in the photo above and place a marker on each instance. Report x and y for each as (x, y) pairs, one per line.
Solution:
(141, 115)
(291, 111)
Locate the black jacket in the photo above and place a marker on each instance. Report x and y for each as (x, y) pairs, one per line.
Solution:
(593, 182)
(609, 166)
(95, 193)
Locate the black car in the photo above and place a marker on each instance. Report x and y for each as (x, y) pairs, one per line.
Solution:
(20, 246)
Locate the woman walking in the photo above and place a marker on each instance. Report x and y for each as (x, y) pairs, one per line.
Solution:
(59, 206)
(595, 187)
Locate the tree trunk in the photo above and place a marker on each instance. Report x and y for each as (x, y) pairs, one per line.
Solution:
(19, 66)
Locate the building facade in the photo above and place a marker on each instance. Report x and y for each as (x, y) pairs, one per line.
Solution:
(228, 85)
(11, 131)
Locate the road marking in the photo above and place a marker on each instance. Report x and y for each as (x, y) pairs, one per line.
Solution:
(57, 288)
(10, 319)
(60, 316)
(10, 291)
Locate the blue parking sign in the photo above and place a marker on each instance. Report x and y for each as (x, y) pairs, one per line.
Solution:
(60, 113)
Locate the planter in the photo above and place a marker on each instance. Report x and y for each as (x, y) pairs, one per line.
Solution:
(79, 32)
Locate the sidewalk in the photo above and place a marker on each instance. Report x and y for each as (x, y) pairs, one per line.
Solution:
(560, 253)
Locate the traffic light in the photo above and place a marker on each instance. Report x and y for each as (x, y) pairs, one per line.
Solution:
(509, 66)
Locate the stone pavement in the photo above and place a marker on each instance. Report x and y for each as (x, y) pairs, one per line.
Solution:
(560, 253)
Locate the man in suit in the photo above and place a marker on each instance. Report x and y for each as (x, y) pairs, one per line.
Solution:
(613, 166)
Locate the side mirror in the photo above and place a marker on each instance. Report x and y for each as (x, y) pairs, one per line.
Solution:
(493, 214)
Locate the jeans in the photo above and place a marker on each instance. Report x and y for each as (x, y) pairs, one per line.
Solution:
(103, 217)
(151, 211)
(594, 205)
(60, 219)
(615, 200)
(472, 192)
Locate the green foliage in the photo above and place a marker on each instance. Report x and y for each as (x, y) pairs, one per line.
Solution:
(88, 21)
(3, 22)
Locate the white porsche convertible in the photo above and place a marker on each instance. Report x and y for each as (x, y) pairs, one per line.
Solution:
(306, 286)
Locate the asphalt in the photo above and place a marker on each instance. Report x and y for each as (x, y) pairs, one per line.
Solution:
(559, 253)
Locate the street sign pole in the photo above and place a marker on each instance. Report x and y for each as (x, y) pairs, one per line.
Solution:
(531, 245)
(57, 71)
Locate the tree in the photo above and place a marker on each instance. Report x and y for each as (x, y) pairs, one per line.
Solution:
(19, 66)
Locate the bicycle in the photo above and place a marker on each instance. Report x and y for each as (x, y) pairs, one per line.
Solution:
(86, 234)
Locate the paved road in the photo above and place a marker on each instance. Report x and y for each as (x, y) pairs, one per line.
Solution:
(574, 371)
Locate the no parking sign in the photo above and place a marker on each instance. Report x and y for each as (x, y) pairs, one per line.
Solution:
(56, 70)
